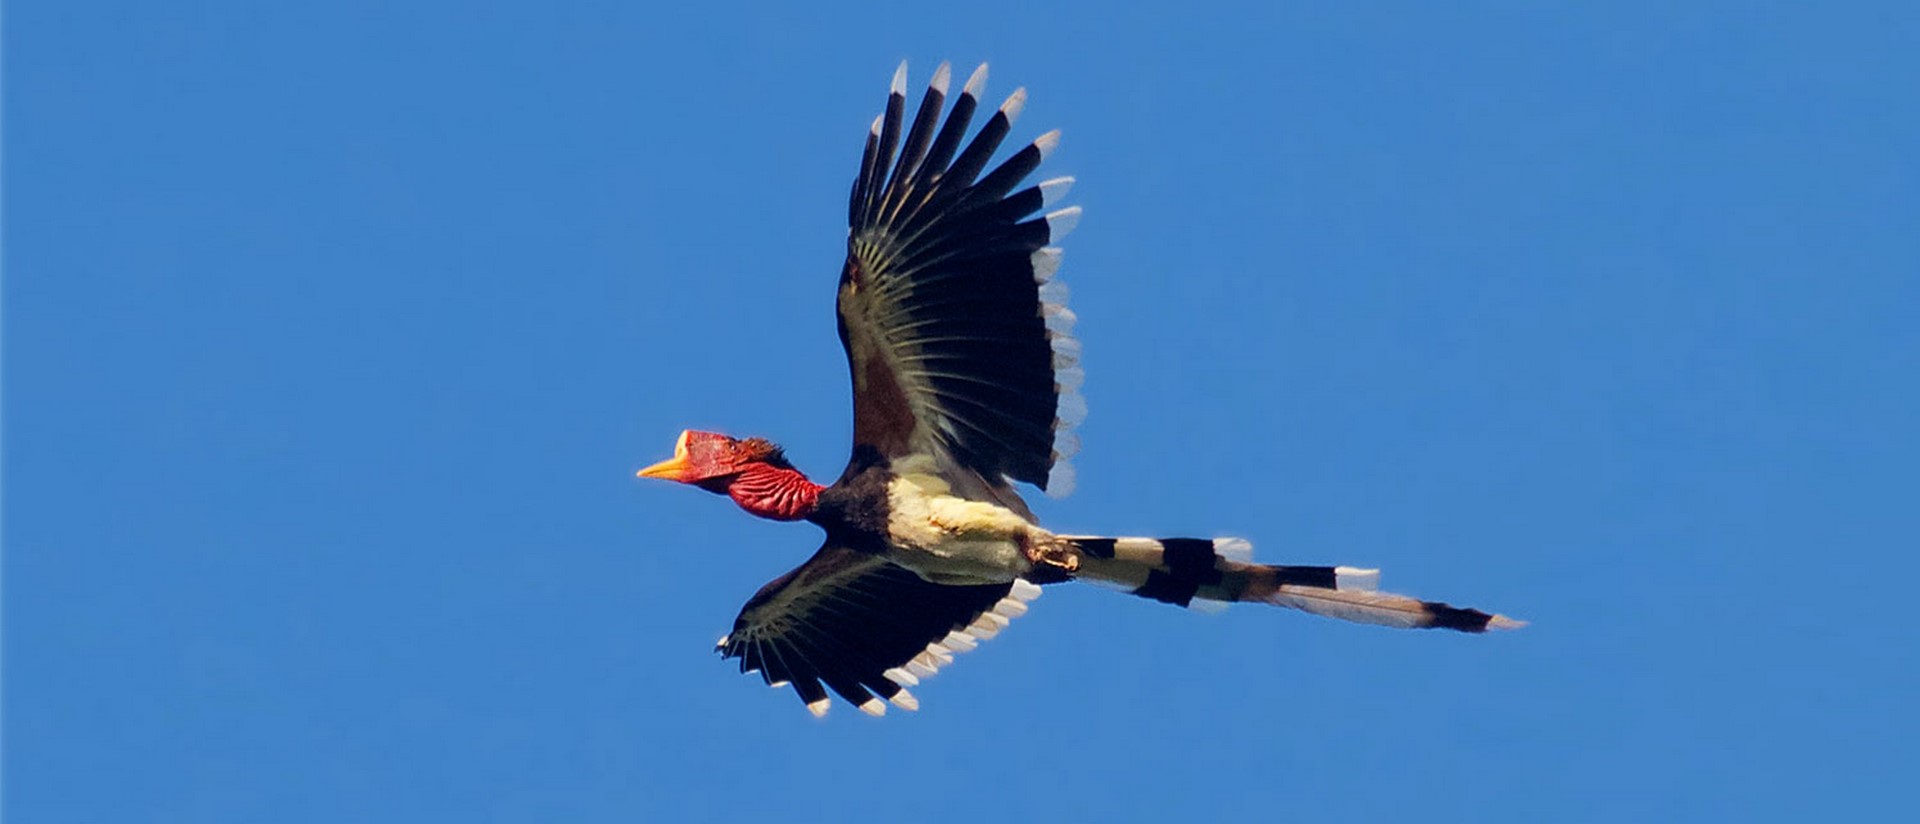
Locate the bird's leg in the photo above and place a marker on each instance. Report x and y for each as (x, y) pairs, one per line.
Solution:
(1054, 560)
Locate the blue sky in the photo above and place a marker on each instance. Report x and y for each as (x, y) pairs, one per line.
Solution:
(334, 334)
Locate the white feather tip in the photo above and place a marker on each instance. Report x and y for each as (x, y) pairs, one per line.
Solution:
(1233, 549)
(1053, 190)
(1046, 261)
(1061, 222)
(976, 83)
(1046, 143)
(1016, 103)
(1061, 480)
(1503, 622)
(1208, 606)
(1070, 411)
(1355, 578)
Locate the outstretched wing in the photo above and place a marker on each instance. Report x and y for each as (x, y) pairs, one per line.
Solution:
(863, 626)
(957, 335)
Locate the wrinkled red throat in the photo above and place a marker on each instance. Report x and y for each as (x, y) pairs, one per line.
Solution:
(781, 493)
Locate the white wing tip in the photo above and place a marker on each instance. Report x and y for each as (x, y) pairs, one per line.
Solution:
(899, 675)
(1059, 319)
(976, 83)
(1355, 578)
(1065, 445)
(899, 85)
(1046, 261)
(1059, 223)
(1046, 143)
(1023, 590)
(1061, 480)
(1016, 103)
(819, 708)
(942, 76)
(1053, 190)
(1071, 411)
(874, 129)
(905, 701)
(1066, 350)
(985, 627)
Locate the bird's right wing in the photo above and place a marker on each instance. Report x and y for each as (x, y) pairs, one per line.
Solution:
(863, 625)
(957, 335)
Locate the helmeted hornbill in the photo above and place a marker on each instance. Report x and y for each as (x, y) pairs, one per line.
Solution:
(965, 380)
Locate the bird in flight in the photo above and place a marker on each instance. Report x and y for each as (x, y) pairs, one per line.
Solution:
(966, 381)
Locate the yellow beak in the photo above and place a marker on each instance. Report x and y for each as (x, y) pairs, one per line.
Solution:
(672, 468)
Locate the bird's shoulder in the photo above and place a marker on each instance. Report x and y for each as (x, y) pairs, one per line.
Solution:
(854, 509)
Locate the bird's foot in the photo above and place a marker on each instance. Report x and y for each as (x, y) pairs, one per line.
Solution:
(1052, 563)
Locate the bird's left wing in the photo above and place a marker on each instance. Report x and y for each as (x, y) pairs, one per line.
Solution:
(861, 625)
(957, 333)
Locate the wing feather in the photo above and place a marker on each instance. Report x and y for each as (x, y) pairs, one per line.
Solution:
(957, 336)
(855, 624)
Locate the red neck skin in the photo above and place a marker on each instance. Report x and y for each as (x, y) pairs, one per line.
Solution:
(774, 492)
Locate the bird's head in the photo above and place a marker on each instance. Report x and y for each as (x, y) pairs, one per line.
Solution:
(751, 471)
(709, 459)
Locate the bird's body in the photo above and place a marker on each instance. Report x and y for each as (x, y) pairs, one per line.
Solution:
(949, 539)
(911, 516)
(965, 375)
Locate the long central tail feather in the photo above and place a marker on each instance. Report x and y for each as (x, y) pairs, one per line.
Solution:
(1198, 572)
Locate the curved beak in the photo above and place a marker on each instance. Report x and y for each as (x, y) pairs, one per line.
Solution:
(671, 469)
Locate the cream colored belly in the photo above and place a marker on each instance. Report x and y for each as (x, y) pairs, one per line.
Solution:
(952, 540)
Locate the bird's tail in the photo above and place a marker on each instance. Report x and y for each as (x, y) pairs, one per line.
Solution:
(1203, 573)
